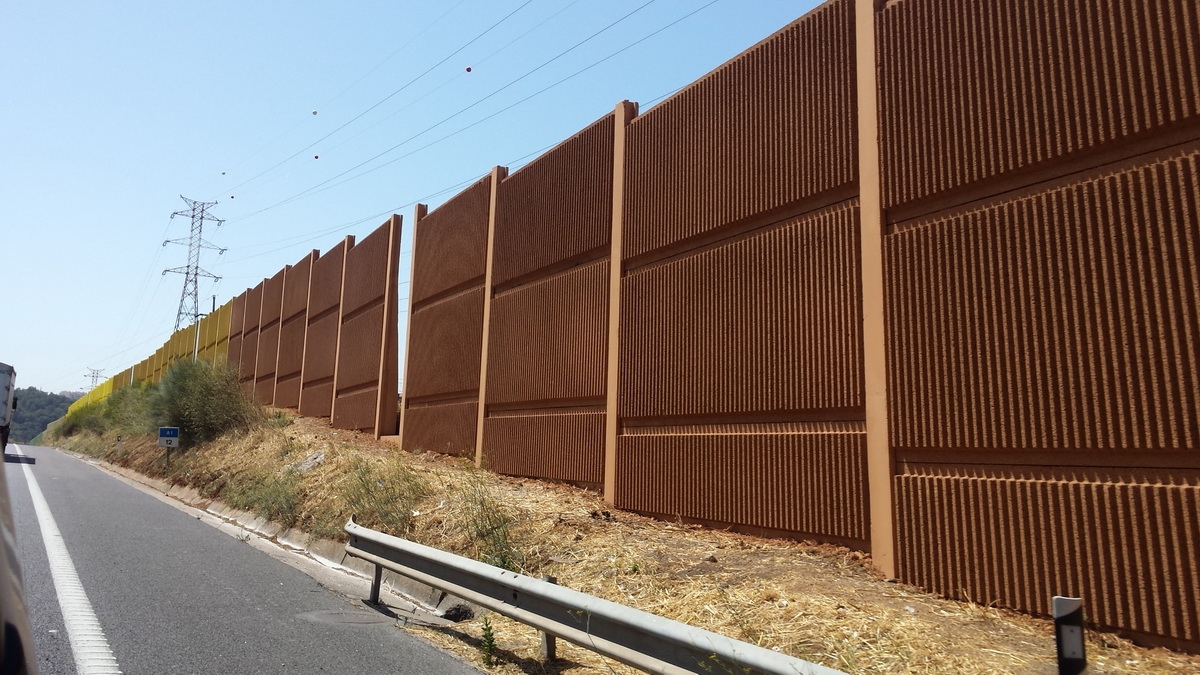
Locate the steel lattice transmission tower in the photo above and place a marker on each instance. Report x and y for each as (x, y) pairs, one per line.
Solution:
(95, 374)
(189, 300)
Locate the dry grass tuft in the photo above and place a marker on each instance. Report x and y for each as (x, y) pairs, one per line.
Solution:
(817, 602)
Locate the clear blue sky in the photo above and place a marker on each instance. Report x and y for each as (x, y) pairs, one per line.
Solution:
(112, 110)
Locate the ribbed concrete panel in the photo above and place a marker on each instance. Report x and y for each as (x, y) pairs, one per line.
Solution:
(1125, 543)
(292, 325)
(805, 479)
(556, 207)
(237, 315)
(366, 361)
(321, 336)
(768, 322)
(445, 346)
(268, 338)
(566, 446)
(770, 128)
(250, 326)
(1066, 319)
(973, 90)
(221, 347)
(548, 339)
(450, 244)
(447, 428)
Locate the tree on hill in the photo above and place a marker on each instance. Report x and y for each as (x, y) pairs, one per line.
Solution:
(35, 410)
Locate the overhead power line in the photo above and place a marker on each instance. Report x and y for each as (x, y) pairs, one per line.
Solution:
(385, 98)
(330, 182)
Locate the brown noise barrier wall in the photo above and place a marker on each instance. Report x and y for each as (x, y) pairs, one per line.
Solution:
(250, 326)
(771, 128)
(1041, 174)
(237, 317)
(557, 207)
(292, 326)
(547, 346)
(456, 238)
(365, 383)
(321, 337)
(1058, 328)
(1080, 298)
(984, 89)
(441, 388)
(221, 346)
(969, 346)
(740, 367)
(268, 338)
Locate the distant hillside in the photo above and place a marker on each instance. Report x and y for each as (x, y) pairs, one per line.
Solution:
(35, 409)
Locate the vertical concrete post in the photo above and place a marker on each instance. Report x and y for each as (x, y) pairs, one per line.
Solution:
(419, 214)
(385, 397)
(879, 452)
(499, 173)
(312, 274)
(625, 112)
(279, 347)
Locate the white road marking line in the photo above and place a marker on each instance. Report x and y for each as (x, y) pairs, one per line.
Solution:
(92, 654)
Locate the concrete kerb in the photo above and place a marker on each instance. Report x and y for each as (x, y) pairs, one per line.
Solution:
(410, 601)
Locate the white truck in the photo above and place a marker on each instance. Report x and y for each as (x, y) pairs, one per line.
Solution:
(8, 401)
(16, 638)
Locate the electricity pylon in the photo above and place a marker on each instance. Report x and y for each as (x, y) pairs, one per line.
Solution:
(189, 300)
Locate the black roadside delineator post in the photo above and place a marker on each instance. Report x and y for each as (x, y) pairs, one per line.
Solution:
(1068, 635)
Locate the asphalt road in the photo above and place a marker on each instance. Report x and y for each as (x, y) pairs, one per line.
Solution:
(174, 595)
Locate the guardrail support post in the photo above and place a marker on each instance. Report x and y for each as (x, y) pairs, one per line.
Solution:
(375, 583)
(549, 643)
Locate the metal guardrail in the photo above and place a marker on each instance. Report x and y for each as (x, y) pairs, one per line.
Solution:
(636, 638)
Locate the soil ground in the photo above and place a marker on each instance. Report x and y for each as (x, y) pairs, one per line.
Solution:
(817, 602)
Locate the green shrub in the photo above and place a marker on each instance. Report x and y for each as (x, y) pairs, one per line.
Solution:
(128, 410)
(89, 418)
(276, 497)
(203, 400)
(487, 643)
(489, 527)
(382, 496)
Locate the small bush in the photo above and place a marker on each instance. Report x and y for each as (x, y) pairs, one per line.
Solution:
(128, 410)
(487, 643)
(382, 496)
(89, 418)
(204, 401)
(489, 527)
(276, 497)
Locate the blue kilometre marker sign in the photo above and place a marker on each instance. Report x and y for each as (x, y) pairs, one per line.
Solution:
(168, 437)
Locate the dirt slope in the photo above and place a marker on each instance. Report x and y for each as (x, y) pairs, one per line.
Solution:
(820, 603)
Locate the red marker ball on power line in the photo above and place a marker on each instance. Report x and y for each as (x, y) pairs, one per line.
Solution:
(468, 69)
(316, 157)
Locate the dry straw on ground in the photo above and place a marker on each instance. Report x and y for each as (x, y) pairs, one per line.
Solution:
(819, 603)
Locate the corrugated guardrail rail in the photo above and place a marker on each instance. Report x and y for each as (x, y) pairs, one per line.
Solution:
(639, 639)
